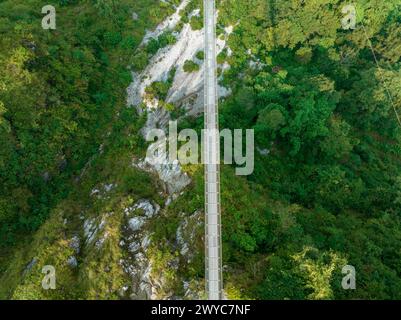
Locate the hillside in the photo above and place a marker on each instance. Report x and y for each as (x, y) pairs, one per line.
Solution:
(78, 193)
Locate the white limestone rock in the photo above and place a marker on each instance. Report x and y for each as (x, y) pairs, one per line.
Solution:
(136, 223)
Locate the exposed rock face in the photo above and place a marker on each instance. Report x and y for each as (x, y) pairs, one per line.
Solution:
(93, 229)
(186, 91)
(186, 234)
(167, 24)
(263, 152)
(103, 190)
(136, 223)
(136, 234)
(185, 85)
(75, 244)
(90, 230)
(149, 209)
(170, 173)
(136, 240)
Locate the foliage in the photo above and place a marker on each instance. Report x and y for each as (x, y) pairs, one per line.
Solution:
(190, 66)
(326, 189)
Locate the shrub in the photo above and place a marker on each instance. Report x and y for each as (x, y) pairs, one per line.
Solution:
(200, 55)
(190, 66)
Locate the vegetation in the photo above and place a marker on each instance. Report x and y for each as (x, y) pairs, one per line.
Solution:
(326, 189)
(196, 23)
(190, 66)
(330, 178)
(142, 54)
(327, 193)
(160, 89)
(62, 95)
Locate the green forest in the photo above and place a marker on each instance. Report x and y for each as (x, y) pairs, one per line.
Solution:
(323, 102)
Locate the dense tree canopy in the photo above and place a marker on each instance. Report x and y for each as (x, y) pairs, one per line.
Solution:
(323, 101)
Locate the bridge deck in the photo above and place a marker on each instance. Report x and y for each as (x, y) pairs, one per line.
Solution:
(213, 257)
